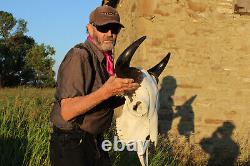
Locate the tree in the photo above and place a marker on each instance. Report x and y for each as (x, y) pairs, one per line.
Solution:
(19, 55)
(39, 60)
(7, 23)
(12, 56)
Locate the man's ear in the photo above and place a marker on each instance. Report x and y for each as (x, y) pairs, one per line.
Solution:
(90, 29)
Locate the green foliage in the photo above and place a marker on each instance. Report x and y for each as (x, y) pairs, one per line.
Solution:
(40, 61)
(12, 60)
(22, 61)
(22, 27)
(9, 26)
(7, 23)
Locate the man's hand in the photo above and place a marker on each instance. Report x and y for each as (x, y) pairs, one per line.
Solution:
(118, 86)
(72, 107)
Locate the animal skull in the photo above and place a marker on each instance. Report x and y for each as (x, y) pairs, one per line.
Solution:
(138, 120)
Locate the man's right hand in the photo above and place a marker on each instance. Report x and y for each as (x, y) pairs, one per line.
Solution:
(118, 86)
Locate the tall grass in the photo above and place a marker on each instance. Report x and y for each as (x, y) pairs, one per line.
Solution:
(24, 128)
(25, 134)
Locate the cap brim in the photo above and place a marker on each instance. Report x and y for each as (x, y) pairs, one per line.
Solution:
(111, 22)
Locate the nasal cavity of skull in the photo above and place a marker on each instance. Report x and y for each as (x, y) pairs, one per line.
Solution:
(136, 105)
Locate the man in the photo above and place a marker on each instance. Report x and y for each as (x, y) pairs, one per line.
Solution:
(86, 94)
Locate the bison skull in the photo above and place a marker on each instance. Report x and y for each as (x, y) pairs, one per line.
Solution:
(138, 121)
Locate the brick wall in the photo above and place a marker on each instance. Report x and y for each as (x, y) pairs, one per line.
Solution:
(207, 81)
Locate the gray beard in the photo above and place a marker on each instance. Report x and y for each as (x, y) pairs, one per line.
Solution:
(104, 46)
(107, 47)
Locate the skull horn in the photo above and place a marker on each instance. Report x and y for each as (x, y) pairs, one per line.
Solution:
(157, 69)
(124, 59)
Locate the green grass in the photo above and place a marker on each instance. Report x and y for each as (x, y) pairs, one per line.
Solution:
(25, 134)
(24, 127)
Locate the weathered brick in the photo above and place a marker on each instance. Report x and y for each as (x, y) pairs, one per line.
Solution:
(213, 121)
(210, 58)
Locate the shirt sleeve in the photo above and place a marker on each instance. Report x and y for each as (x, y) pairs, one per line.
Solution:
(73, 74)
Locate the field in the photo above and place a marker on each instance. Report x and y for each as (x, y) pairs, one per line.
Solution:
(24, 127)
(25, 134)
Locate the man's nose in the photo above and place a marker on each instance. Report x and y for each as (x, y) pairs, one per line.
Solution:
(109, 32)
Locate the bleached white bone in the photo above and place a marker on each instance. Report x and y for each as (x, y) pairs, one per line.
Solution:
(139, 118)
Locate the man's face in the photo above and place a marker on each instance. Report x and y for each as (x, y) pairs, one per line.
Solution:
(105, 36)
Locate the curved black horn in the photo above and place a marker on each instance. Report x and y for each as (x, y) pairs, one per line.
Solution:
(124, 59)
(157, 69)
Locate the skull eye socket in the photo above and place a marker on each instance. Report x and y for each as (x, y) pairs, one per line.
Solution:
(136, 105)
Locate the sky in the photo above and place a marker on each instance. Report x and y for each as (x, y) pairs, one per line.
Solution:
(58, 23)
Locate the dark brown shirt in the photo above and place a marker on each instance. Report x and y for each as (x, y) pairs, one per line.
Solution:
(81, 72)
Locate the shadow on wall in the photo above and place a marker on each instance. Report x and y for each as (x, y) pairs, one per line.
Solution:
(168, 111)
(12, 151)
(186, 114)
(221, 148)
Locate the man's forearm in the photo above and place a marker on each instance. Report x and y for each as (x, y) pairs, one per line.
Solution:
(72, 107)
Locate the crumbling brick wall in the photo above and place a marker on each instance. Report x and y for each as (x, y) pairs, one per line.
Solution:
(207, 81)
